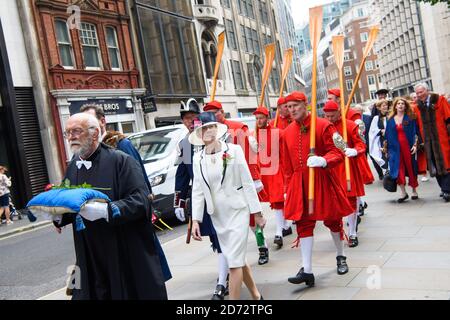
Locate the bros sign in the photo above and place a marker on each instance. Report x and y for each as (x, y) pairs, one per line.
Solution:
(110, 106)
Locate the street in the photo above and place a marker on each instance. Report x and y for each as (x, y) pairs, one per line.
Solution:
(404, 253)
(34, 263)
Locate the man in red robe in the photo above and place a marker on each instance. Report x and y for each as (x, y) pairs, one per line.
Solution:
(330, 199)
(433, 117)
(268, 139)
(284, 117)
(363, 164)
(355, 147)
(239, 134)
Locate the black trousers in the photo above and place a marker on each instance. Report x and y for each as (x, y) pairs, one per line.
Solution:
(443, 180)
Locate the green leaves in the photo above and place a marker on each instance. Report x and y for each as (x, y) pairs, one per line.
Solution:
(433, 2)
(66, 185)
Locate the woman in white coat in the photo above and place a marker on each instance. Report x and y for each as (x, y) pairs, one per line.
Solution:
(377, 134)
(222, 182)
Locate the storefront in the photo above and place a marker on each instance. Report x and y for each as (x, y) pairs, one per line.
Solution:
(123, 108)
(21, 148)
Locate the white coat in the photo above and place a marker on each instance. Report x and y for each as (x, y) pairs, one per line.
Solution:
(229, 208)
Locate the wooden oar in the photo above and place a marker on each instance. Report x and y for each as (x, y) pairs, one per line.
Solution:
(369, 45)
(287, 62)
(338, 51)
(220, 46)
(268, 63)
(315, 25)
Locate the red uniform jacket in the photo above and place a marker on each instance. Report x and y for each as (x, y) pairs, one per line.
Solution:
(330, 198)
(442, 112)
(356, 175)
(239, 133)
(269, 160)
(282, 124)
(363, 164)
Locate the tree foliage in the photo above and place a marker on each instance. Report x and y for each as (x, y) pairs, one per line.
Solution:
(433, 2)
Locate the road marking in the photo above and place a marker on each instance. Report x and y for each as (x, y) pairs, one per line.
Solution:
(25, 232)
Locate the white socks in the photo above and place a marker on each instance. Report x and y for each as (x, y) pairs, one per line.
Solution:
(306, 245)
(279, 217)
(338, 243)
(223, 270)
(352, 220)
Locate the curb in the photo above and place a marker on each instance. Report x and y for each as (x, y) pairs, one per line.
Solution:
(23, 229)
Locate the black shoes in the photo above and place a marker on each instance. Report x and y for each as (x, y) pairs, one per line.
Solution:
(263, 256)
(307, 278)
(446, 197)
(353, 241)
(287, 232)
(342, 267)
(401, 200)
(362, 208)
(415, 197)
(219, 293)
(278, 241)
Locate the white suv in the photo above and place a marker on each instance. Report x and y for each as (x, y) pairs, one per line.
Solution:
(157, 148)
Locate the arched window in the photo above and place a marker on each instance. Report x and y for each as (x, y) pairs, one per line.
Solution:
(209, 51)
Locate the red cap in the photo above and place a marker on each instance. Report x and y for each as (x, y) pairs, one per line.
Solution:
(330, 106)
(212, 105)
(281, 101)
(261, 110)
(335, 92)
(296, 96)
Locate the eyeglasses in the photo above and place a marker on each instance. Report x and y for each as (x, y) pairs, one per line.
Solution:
(75, 132)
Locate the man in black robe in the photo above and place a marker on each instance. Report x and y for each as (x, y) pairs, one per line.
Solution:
(115, 252)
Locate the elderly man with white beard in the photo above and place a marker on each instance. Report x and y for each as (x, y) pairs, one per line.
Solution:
(114, 246)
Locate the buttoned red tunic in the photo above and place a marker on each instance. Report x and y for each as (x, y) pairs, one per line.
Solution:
(239, 133)
(353, 141)
(330, 198)
(283, 122)
(363, 164)
(270, 162)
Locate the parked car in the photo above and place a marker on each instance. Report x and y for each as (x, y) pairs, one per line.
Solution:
(157, 148)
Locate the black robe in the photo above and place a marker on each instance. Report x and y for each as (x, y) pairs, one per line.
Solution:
(116, 259)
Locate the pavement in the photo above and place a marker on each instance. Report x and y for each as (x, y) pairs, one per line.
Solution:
(20, 226)
(403, 254)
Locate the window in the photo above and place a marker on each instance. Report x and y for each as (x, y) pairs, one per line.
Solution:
(348, 71)
(263, 12)
(377, 65)
(373, 95)
(225, 3)
(113, 48)
(256, 48)
(346, 56)
(244, 38)
(237, 75)
(369, 65)
(349, 84)
(64, 44)
(248, 37)
(231, 34)
(172, 51)
(360, 12)
(364, 37)
(246, 8)
(371, 80)
(89, 41)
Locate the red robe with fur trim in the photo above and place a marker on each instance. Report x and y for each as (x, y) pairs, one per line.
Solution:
(442, 113)
(330, 198)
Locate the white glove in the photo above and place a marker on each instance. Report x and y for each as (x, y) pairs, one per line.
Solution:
(95, 210)
(179, 212)
(50, 217)
(258, 185)
(316, 162)
(349, 152)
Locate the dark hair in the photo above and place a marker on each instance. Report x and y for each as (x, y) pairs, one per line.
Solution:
(3, 168)
(99, 113)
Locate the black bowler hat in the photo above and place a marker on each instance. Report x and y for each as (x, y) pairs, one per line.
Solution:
(382, 91)
(190, 106)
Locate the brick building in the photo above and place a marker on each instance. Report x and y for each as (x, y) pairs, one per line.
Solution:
(88, 57)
